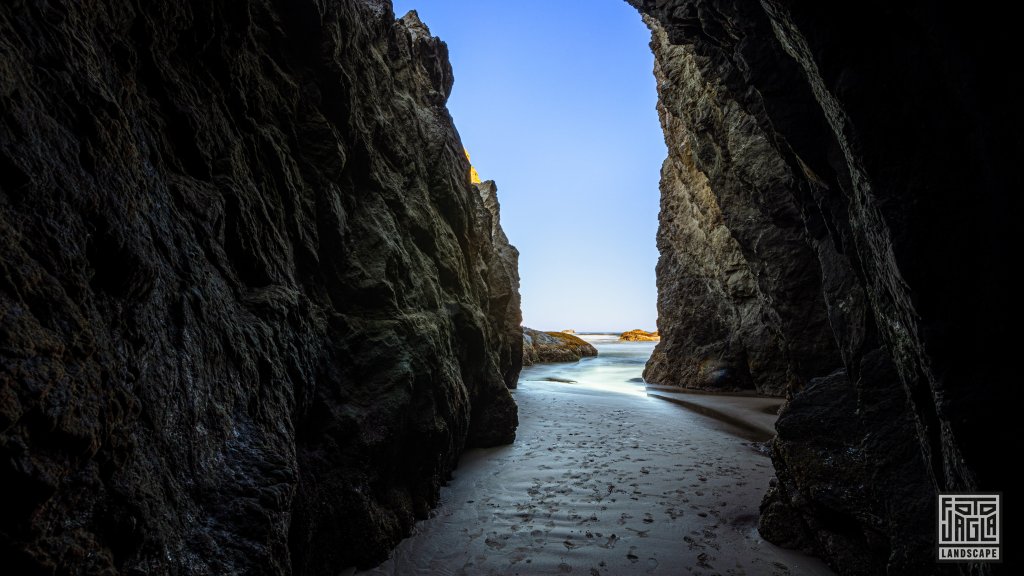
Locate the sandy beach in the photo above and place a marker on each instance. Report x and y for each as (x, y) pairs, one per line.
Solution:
(601, 482)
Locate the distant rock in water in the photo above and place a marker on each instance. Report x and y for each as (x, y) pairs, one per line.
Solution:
(540, 347)
(639, 336)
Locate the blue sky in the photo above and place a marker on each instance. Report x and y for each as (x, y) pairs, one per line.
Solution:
(555, 100)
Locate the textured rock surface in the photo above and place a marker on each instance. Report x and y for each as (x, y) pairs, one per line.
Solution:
(541, 347)
(251, 309)
(503, 281)
(740, 304)
(883, 133)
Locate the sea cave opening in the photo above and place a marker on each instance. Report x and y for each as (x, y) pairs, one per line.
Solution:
(257, 316)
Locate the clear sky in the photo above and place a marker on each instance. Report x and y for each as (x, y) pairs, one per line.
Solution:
(555, 100)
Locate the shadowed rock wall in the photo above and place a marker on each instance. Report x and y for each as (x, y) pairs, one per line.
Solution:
(251, 309)
(503, 281)
(852, 162)
(740, 303)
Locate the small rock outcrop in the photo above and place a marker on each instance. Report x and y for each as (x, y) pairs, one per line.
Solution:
(251, 308)
(541, 347)
(639, 336)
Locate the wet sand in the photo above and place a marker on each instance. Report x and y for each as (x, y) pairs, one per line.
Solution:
(602, 483)
(753, 416)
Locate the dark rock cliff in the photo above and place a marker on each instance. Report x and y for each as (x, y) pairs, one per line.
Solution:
(251, 309)
(740, 304)
(852, 161)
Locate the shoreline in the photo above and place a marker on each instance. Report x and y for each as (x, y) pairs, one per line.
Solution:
(752, 415)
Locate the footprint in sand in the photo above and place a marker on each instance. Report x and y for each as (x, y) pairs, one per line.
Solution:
(693, 543)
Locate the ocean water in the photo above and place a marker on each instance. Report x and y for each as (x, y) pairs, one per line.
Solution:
(618, 367)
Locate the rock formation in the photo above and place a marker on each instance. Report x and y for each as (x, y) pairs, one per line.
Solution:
(740, 304)
(540, 347)
(835, 226)
(639, 336)
(251, 308)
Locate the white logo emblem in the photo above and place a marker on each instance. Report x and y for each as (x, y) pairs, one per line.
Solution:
(969, 528)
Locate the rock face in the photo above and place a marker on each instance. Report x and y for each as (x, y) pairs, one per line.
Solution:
(540, 347)
(639, 336)
(502, 267)
(740, 304)
(835, 226)
(251, 308)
